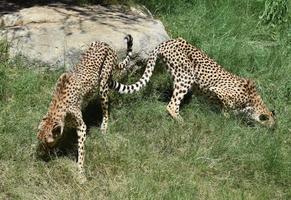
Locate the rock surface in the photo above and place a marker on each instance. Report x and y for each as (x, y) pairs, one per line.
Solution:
(58, 34)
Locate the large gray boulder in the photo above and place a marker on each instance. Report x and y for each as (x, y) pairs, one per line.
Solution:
(58, 34)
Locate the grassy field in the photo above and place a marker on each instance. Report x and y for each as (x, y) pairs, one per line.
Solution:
(146, 154)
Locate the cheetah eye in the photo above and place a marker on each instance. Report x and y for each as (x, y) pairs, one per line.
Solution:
(263, 117)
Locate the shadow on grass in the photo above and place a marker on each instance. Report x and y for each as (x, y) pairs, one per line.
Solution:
(212, 102)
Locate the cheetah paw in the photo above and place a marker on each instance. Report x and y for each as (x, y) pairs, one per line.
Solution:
(179, 119)
(226, 115)
(81, 178)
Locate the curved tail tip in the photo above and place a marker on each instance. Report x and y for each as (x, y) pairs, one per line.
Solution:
(128, 38)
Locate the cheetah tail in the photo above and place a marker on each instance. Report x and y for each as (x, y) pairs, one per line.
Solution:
(125, 89)
(129, 41)
(125, 63)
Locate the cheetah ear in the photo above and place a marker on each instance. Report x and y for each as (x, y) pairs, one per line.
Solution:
(39, 135)
(64, 78)
(250, 86)
(44, 118)
(181, 39)
(62, 82)
(42, 121)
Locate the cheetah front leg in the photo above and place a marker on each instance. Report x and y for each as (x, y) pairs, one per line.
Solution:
(81, 133)
(226, 99)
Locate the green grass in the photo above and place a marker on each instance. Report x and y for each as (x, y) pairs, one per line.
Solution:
(146, 154)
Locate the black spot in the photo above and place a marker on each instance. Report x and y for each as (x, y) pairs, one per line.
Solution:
(118, 86)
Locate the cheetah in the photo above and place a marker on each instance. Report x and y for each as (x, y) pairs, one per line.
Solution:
(72, 90)
(190, 67)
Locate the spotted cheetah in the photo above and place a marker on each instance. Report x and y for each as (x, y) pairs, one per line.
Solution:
(74, 88)
(190, 67)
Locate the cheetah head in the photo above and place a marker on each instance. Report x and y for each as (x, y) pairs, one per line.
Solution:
(49, 132)
(262, 116)
(267, 119)
(256, 109)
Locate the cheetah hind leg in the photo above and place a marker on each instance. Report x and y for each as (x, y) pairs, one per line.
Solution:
(104, 91)
(104, 105)
(174, 105)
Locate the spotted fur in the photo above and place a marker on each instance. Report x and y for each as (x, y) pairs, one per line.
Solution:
(190, 67)
(74, 88)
